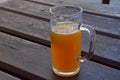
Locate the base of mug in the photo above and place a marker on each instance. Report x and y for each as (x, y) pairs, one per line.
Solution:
(66, 74)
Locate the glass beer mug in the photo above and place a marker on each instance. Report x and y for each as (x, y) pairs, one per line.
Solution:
(66, 39)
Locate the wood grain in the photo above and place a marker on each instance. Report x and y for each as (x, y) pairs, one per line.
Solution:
(41, 29)
(95, 58)
(31, 18)
(36, 59)
(88, 7)
(42, 12)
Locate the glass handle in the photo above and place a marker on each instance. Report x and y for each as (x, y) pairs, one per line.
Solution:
(91, 31)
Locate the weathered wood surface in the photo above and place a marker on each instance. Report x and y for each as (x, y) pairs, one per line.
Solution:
(110, 25)
(92, 7)
(32, 18)
(5, 76)
(105, 47)
(37, 59)
(41, 28)
(25, 24)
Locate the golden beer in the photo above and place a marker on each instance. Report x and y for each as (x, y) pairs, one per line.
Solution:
(66, 47)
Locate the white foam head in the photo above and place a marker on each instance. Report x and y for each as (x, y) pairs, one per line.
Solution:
(66, 28)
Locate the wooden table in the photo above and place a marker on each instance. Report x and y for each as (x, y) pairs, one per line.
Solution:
(25, 41)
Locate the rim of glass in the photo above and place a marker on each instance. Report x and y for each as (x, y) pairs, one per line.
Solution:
(57, 6)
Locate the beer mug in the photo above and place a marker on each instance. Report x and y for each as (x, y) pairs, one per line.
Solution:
(66, 39)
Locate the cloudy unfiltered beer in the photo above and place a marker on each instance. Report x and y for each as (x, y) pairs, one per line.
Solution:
(66, 47)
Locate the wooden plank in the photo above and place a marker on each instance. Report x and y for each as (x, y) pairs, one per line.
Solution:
(44, 42)
(36, 59)
(5, 76)
(20, 73)
(102, 23)
(25, 36)
(108, 47)
(25, 24)
(41, 12)
(41, 2)
(86, 10)
(105, 47)
(27, 7)
(41, 29)
(47, 20)
(88, 7)
(107, 34)
(13, 49)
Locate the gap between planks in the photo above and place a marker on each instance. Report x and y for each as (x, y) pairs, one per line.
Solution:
(95, 58)
(48, 20)
(85, 11)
